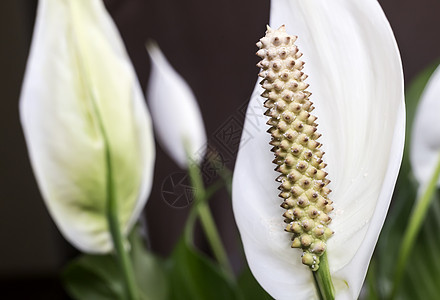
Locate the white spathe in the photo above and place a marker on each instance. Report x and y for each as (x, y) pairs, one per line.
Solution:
(176, 115)
(425, 137)
(356, 78)
(79, 73)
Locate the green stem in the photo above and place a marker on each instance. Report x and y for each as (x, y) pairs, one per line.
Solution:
(323, 280)
(213, 236)
(207, 220)
(124, 260)
(189, 226)
(223, 171)
(416, 219)
(118, 239)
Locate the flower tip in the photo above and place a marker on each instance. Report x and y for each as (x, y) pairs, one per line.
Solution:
(153, 49)
(176, 115)
(268, 29)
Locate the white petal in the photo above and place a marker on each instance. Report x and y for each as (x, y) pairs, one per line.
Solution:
(176, 115)
(77, 69)
(425, 143)
(356, 78)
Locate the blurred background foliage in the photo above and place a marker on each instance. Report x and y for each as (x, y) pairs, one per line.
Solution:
(422, 273)
(211, 44)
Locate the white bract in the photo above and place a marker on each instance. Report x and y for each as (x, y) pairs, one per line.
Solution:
(79, 87)
(425, 138)
(356, 79)
(176, 116)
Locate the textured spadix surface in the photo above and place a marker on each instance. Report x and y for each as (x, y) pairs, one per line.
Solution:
(176, 114)
(297, 152)
(425, 141)
(355, 76)
(78, 73)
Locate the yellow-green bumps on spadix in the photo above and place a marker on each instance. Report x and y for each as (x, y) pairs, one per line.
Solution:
(297, 153)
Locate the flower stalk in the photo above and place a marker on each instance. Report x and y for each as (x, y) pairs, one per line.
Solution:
(323, 280)
(119, 242)
(205, 216)
(118, 239)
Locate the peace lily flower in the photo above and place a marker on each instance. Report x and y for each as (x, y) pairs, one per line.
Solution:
(82, 110)
(356, 78)
(176, 115)
(425, 143)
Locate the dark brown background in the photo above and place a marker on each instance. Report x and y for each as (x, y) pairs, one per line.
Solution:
(211, 43)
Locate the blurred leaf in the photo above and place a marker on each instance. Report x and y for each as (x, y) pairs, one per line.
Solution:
(98, 276)
(422, 275)
(149, 270)
(384, 260)
(249, 287)
(193, 276)
(94, 277)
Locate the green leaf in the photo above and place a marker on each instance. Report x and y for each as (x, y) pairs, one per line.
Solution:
(94, 277)
(149, 271)
(193, 276)
(98, 276)
(249, 287)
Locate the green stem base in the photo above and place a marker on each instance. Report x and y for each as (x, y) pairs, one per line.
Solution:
(323, 280)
